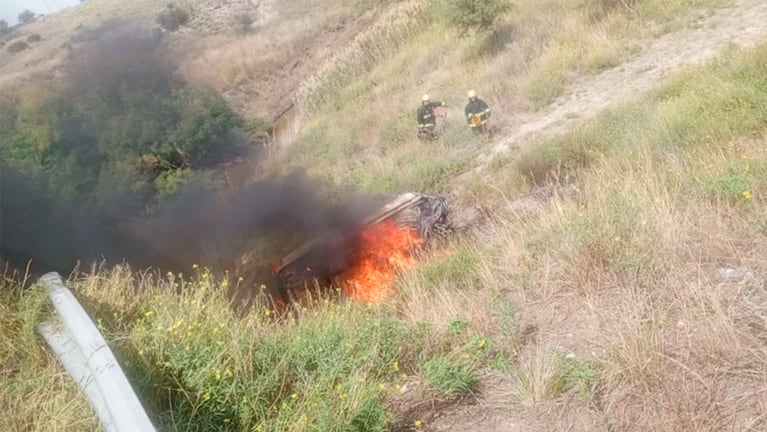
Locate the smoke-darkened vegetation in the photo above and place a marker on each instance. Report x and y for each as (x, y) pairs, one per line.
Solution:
(121, 132)
(119, 136)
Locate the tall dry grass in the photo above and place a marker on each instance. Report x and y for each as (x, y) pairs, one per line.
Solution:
(655, 230)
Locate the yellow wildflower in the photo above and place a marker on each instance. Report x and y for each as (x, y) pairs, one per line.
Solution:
(294, 396)
(746, 194)
(195, 266)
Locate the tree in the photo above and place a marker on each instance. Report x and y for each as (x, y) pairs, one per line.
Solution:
(474, 15)
(172, 18)
(4, 27)
(26, 16)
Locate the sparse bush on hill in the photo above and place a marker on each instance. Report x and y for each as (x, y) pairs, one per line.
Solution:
(172, 18)
(243, 23)
(471, 15)
(17, 46)
(4, 27)
(26, 16)
(34, 37)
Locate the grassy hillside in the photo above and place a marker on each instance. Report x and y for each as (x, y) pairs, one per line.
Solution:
(618, 284)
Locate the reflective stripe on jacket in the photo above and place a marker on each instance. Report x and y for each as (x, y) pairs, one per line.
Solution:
(479, 108)
(425, 114)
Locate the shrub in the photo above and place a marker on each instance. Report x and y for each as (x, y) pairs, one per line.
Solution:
(243, 23)
(26, 16)
(467, 15)
(172, 18)
(33, 37)
(17, 46)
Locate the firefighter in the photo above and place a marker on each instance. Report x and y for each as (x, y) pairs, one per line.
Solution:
(477, 113)
(427, 120)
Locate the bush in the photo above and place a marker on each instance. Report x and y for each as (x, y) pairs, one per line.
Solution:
(172, 18)
(17, 46)
(468, 15)
(33, 37)
(26, 16)
(243, 23)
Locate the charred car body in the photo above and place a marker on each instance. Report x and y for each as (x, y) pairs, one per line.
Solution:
(319, 262)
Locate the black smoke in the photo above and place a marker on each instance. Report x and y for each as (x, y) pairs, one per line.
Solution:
(199, 226)
(275, 215)
(108, 211)
(54, 235)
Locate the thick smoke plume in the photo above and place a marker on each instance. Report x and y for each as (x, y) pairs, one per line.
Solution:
(199, 226)
(270, 216)
(104, 216)
(57, 236)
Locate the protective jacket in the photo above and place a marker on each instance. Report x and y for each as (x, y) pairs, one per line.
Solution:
(425, 114)
(477, 112)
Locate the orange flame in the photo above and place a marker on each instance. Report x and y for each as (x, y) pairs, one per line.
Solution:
(384, 249)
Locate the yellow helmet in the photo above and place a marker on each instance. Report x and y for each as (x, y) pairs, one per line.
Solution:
(472, 94)
(425, 98)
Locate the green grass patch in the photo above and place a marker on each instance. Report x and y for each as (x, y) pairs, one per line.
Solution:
(458, 269)
(456, 372)
(580, 376)
(449, 376)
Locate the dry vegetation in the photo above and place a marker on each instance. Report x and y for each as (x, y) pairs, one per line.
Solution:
(619, 284)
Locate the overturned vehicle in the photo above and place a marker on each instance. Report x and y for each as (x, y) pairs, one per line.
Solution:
(362, 262)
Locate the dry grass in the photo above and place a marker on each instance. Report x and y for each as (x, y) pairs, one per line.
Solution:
(639, 211)
(238, 62)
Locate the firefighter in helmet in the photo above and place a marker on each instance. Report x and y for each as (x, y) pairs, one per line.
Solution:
(427, 120)
(477, 113)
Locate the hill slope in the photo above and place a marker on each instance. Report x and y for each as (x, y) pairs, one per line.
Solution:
(616, 283)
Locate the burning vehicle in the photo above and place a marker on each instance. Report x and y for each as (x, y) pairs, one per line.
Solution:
(362, 262)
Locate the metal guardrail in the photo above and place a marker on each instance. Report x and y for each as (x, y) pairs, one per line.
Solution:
(85, 355)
